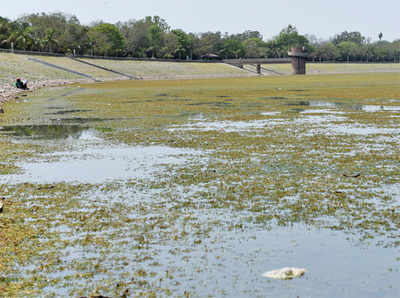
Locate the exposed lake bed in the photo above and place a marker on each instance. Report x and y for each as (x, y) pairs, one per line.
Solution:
(201, 197)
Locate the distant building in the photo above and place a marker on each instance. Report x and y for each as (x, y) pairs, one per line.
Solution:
(210, 56)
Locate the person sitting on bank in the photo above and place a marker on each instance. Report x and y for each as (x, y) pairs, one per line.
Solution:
(21, 84)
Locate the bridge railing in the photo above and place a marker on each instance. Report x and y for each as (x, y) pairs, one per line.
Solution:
(36, 53)
(257, 61)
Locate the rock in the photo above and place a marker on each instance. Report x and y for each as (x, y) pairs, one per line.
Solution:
(285, 273)
(1, 204)
(96, 296)
(355, 175)
(125, 294)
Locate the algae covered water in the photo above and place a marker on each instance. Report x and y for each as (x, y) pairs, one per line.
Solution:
(197, 188)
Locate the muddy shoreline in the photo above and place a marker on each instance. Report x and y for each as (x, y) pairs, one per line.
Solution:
(9, 92)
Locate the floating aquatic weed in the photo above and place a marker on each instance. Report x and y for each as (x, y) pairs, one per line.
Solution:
(346, 129)
(55, 108)
(274, 97)
(210, 223)
(298, 103)
(217, 103)
(323, 111)
(82, 120)
(63, 112)
(226, 126)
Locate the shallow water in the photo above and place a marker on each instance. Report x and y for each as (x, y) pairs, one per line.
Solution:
(343, 106)
(335, 266)
(226, 126)
(355, 129)
(210, 220)
(44, 131)
(98, 164)
(63, 112)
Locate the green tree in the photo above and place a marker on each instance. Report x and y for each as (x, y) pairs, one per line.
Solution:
(232, 49)
(354, 37)
(272, 49)
(46, 28)
(156, 31)
(384, 51)
(136, 36)
(49, 40)
(327, 51)
(184, 43)
(396, 50)
(254, 47)
(21, 36)
(208, 42)
(155, 39)
(170, 46)
(74, 37)
(66, 29)
(288, 38)
(5, 31)
(247, 35)
(106, 39)
(349, 50)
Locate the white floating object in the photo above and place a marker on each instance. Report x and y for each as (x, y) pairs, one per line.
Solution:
(285, 273)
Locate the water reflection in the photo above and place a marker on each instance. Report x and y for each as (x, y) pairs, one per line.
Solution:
(63, 112)
(342, 106)
(81, 120)
(299, 103)
(100, 164)
(212, 103)
(297, 110)
(44, 131)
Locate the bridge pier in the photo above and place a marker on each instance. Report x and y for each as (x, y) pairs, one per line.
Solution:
(298, 57)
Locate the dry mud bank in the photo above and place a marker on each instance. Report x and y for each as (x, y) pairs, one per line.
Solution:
(9, 92)
(39, 75)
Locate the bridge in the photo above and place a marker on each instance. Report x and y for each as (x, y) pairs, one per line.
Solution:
(297, 57)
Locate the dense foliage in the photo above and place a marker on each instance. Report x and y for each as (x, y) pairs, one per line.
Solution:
(152, 37)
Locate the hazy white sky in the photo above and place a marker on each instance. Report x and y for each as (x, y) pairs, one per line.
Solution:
(320, 17)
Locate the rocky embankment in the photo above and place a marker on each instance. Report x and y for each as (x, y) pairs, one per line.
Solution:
(9, 92)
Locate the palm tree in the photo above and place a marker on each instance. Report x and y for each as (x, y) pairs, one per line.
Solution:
(21, 36)
(49, 39)
(5, 29)
(91, 44)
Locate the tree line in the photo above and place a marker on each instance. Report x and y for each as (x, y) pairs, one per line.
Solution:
(152, 37)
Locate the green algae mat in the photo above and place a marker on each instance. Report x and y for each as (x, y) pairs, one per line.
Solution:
(196, 188)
